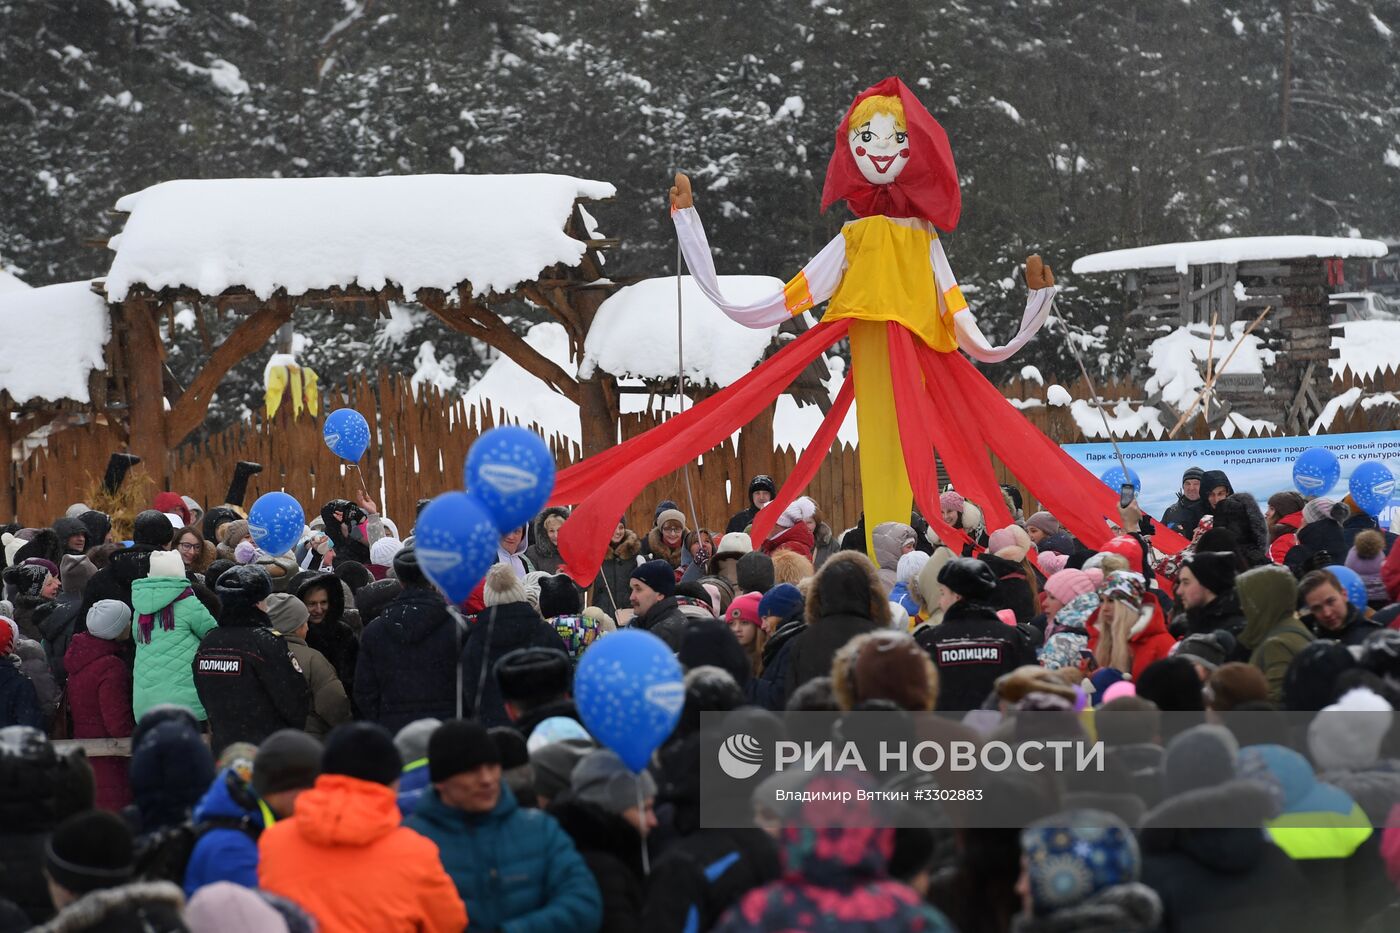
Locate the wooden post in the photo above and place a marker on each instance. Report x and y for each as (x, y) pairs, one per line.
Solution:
(145, 361)
(756, 453)
(7, 460)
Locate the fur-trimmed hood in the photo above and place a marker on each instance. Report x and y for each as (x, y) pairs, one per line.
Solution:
(847, 584)
(538, 538)
(627, 549)
(97, 906)
(659, 551)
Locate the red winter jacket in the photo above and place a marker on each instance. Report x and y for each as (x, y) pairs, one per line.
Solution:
(1150, 640)
(99, 695)
(797, 539)
(1284, 542)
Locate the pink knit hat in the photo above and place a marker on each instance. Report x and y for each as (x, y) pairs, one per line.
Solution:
(951, 502)
(1052, 563)
(1064, 585)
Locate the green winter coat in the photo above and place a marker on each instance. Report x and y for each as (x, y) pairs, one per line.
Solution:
(164, 671)
(1272, 632)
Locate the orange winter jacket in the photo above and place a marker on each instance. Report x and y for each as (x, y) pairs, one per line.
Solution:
(344, 857)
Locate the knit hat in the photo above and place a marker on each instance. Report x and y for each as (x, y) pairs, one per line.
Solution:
(75, 570)
(734, 544)
(1347, 735)
(244, 585)
(1173, 684)
(1045, 522)
(289, 759)
(381, 552)
(1072, 856)
(1212, 648)
(555, 762)
(559, 596)
(802, 509)
(755, 572)
(1216, 570)
(782, 601)
(745, 608)
(529, 675)
(602, 779)
(1067, 584)
(512, 748)
(166, 564)
(951, 502)
(909, 566)
(968, 577)
(108, 618)
(27, 580)
(153, 529)
(412, 739)
(659, 575)
(1000, 540)
(670, 515)
(661, 506)
(1052, 562)
(89, 851)
(225, 906)
(1287, 502)
(1202, 756)
(762, 481)
(1234, 683)
(1318, 509)
(406, 569)
(362, 750)
(286, 612)
(503, 587)
(557, 729)
(459, 746)
(1192, 472)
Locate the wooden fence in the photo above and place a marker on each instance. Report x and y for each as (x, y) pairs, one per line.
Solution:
(423, 438)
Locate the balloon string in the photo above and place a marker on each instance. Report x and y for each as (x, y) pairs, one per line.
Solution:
(642, 818)
(360, 475)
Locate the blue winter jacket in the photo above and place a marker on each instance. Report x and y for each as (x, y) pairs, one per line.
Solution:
(900, 594)
(413, 784)
(225, 852)
(516, 869)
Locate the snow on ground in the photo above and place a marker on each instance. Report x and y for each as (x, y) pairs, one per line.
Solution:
(1232, 249)
(634, 333)
(53, 340)
(300, 234)
(1176, 372)
(1366, 346)
(12, 283)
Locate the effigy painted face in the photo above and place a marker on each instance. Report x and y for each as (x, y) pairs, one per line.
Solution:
(880, 147)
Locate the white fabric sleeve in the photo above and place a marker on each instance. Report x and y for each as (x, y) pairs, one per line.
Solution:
(813, 285)
(970, 336)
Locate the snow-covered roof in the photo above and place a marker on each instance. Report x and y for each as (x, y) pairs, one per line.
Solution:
(520, 397)
(634, 332)
(303, 234)
(53, 340)
(12, 283)
(1234, 249)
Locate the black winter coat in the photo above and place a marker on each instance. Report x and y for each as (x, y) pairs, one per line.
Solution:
(57, 628)
(248, 681)
(508, 627)
(769, 688)
(971, 648)
(114, 581)
(332, 636)
(1218, 880)
(1013, 589)
(40, 789)
(813, 649)
(664, 620)
(612, 850)
(701, 875)
(407, 667)
(1185, 515)
(19, 704)
(614, 582)
(1223, 612)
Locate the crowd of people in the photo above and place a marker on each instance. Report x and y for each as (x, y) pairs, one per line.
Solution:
(319, 740)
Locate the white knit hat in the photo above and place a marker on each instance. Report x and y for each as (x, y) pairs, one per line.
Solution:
(108, 618)
(166, 564)
(734, 544)
(502, 586)
(802, 509)
(382, 551)
(1347, 735)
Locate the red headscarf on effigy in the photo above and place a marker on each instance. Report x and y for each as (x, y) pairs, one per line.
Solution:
(926, 188)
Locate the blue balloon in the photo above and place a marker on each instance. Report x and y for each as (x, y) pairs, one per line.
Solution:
(512, 472)
(1370, 486)
(347, 434)
(629, 690)
(276, 522)
(1113, 477)
(1351, 582)
(455, 541)
(1315, 471)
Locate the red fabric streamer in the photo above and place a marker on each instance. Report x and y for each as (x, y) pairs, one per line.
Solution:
(807, 464)
(1077, 498)
(583, 540)
(927, 186)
